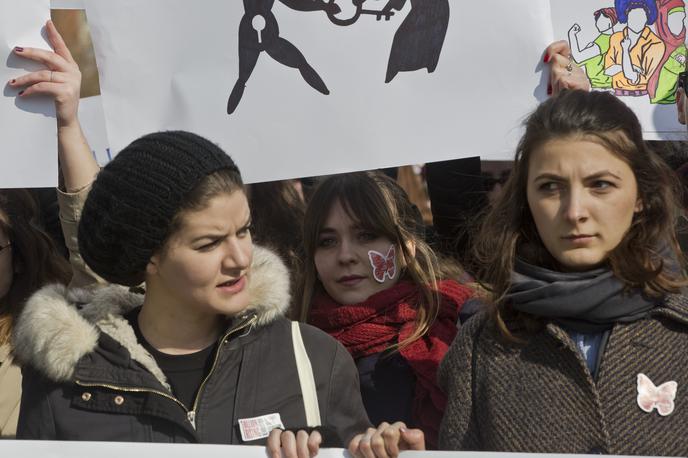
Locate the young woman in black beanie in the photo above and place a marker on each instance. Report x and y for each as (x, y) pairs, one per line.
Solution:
(202, 353)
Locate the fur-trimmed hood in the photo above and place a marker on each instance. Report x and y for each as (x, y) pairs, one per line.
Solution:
(57, 327)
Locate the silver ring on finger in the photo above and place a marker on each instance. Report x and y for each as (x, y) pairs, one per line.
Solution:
(569, 66)
(51, 76)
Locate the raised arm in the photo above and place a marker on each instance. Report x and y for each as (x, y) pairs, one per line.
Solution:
(61, 79)
(578, 54)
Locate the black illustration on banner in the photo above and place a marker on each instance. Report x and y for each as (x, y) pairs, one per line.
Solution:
(417, 42)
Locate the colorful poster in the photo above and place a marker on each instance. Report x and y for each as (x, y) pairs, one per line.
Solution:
(29, 129)
(295, 88)
(632, 48)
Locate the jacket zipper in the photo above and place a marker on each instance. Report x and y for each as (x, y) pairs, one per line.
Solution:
(190, 414)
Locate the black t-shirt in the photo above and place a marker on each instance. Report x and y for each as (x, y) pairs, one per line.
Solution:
(185, 373)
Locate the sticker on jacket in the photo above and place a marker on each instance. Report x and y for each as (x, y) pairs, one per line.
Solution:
(651, 396)
(259, 427)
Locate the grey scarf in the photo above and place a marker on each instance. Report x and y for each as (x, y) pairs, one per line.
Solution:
(585, 302)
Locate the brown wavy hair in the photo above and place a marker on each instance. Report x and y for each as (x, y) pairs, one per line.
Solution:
(35, 258)
(508, 231)
(381, 206)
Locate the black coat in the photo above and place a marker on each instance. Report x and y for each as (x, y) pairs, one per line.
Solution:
(87, 378)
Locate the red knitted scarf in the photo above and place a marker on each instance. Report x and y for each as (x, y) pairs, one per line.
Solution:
(389, 317)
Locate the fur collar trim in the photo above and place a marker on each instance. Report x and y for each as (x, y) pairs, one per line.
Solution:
(57, 327)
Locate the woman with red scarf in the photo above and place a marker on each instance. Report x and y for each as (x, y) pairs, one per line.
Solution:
(372, 282)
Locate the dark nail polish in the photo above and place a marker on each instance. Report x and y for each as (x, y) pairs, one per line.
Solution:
(549, 89)
(18, 49)
(13, 81)
(21, 92)
(546, 59)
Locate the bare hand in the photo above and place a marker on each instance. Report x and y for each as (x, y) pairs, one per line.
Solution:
(61, 79)
(290, 445)
(387, 441)
(558, 55)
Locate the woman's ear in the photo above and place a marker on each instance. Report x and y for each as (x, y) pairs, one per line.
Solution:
(152, 266)
(638, 206)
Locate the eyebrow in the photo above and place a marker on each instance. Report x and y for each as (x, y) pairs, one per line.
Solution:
(217, 235)
(555, 177)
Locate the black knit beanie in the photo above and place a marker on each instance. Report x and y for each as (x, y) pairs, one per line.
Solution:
(129, 211)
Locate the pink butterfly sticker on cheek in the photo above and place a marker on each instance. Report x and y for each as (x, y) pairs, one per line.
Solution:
(652, 397)
(383, 266)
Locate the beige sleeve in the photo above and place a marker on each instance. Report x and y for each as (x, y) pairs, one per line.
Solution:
(70, 204)
(10, 394)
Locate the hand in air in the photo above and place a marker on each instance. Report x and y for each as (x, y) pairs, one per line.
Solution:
(60, 79)
(386, 441)
(563, 72)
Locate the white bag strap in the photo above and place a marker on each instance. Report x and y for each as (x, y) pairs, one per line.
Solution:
(306, 379)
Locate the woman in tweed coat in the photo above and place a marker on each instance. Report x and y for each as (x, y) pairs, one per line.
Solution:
(586, 348)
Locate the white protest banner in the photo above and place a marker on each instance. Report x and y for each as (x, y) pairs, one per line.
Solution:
(53, 449)
(66, 449)
(434, 454)
(315, 98)
(645, 75)
(29, 145)
(93, 124)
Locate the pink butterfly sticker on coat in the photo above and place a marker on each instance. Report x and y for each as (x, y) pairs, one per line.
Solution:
(652, 397)
(383, 266)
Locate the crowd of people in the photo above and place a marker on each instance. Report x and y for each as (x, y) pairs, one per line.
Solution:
(564, 328)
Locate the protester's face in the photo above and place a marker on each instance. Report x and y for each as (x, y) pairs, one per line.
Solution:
(6, 271)
(676, 22)
(637, 19)
(343, 259)
(603, 23)
(205, 264)
(582, 198)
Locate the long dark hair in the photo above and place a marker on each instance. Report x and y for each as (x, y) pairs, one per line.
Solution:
(35, 259)
(508, 229)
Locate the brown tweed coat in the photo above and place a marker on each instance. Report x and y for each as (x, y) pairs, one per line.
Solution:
(541, 397)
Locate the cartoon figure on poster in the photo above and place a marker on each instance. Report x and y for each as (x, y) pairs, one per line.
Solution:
(642, 59)
(422, 31)
(671, 30)
(417, 43)
(634, 52)
(592, 56)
